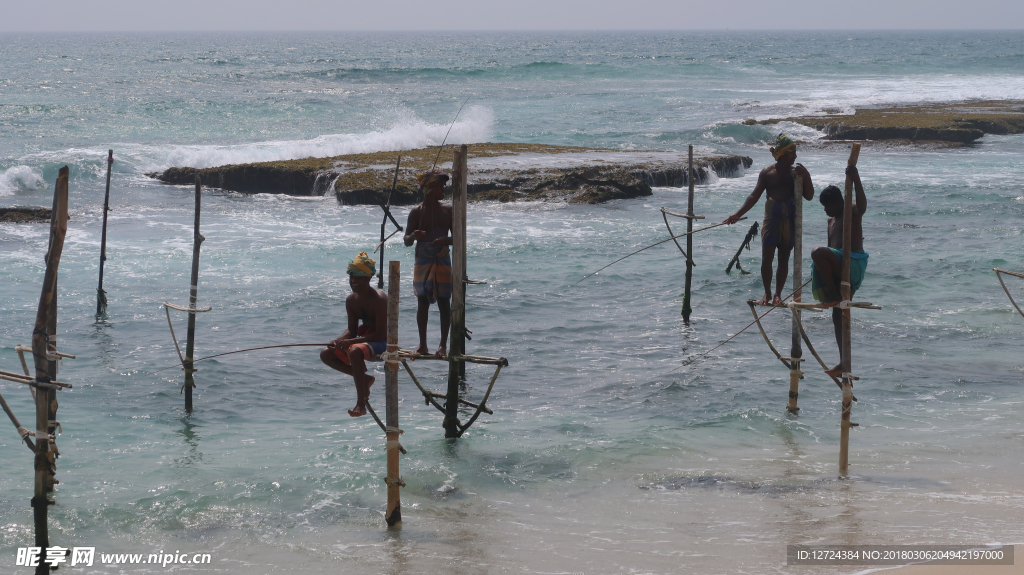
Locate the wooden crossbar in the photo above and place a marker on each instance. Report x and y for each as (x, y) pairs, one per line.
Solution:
(678, 215)
(188, 309)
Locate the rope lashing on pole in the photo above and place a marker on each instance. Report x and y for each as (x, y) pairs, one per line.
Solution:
(651, 246)
(748, 326)
(385, 430)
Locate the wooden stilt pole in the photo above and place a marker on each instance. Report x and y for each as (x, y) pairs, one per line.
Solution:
(457, 345)
(846, 292)
(690, 177)
(798, 280)
(193, 290)
(45, 369)
(101, 296)
(393, 516)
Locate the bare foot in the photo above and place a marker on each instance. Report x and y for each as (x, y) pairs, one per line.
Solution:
(359, 411)
(764, 300)
(422, 349)
(777, 300)
(836, 371)
(441, 351)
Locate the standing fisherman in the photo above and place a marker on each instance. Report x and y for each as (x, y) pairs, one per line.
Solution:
(779, 227)
(430, 226)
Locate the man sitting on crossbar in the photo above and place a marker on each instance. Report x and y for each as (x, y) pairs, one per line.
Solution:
(827, 269)
(348, 353)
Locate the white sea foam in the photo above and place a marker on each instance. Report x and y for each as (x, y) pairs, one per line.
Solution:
(19, 178)
(474, 125)
(847, 93)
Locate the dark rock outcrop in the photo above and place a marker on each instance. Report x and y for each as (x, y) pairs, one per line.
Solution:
(577, 175)
(955, 124)
(25, 215)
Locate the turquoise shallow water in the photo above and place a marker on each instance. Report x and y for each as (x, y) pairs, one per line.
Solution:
(603, 455)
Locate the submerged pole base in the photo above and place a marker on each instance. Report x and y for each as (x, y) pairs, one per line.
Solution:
(395, 519)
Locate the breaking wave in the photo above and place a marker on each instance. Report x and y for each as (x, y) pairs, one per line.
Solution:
(19, 178)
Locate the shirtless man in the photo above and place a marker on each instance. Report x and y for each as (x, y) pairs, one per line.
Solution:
(779, 227)
(430, 226)
(827, 269)
(348, 353)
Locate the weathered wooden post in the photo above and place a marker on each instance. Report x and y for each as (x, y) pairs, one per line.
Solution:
(45, 369)
(457, 346)
(193, 290)
(393, 515)
(796, 353)
(101, 296)
(687, 310)
(846, 292)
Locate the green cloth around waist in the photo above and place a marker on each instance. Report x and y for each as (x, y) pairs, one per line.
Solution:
(858, 265)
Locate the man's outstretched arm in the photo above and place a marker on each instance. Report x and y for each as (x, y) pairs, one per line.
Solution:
(751, 201)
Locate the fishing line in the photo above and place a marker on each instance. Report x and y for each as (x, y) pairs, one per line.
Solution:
(446, 134)
(695, 358)
(651, 246)
(250, 349)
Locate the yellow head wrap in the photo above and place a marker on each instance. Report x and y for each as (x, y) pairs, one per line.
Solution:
(363, 265)
(782, 145)
(428, 178)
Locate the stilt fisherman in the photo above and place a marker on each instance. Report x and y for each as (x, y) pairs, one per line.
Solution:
(430, 226)
(779, 227)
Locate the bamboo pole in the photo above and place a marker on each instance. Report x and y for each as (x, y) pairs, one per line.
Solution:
(193, 290)
(393, 516)
(101, 296)
(464, 275)
(457, 346)
(43, 367)
(687, 310)
(846, 292)
(796, 353)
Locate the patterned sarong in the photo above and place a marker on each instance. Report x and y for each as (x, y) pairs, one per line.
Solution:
(858, 264)
(779, 224)
(370, 349)
(432, 275)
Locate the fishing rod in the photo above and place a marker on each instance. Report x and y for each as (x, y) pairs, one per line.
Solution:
(770, 310)
(751, 234)
(446, 134)
(651, 246)
(386, 206)
(250, 349)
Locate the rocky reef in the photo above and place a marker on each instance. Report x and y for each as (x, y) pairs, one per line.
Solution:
(25, 215)
(497, 171)
(950, 125)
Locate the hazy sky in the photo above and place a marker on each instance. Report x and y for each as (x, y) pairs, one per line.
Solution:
(170, 15)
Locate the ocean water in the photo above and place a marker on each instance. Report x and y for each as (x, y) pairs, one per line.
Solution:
(606, 453)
